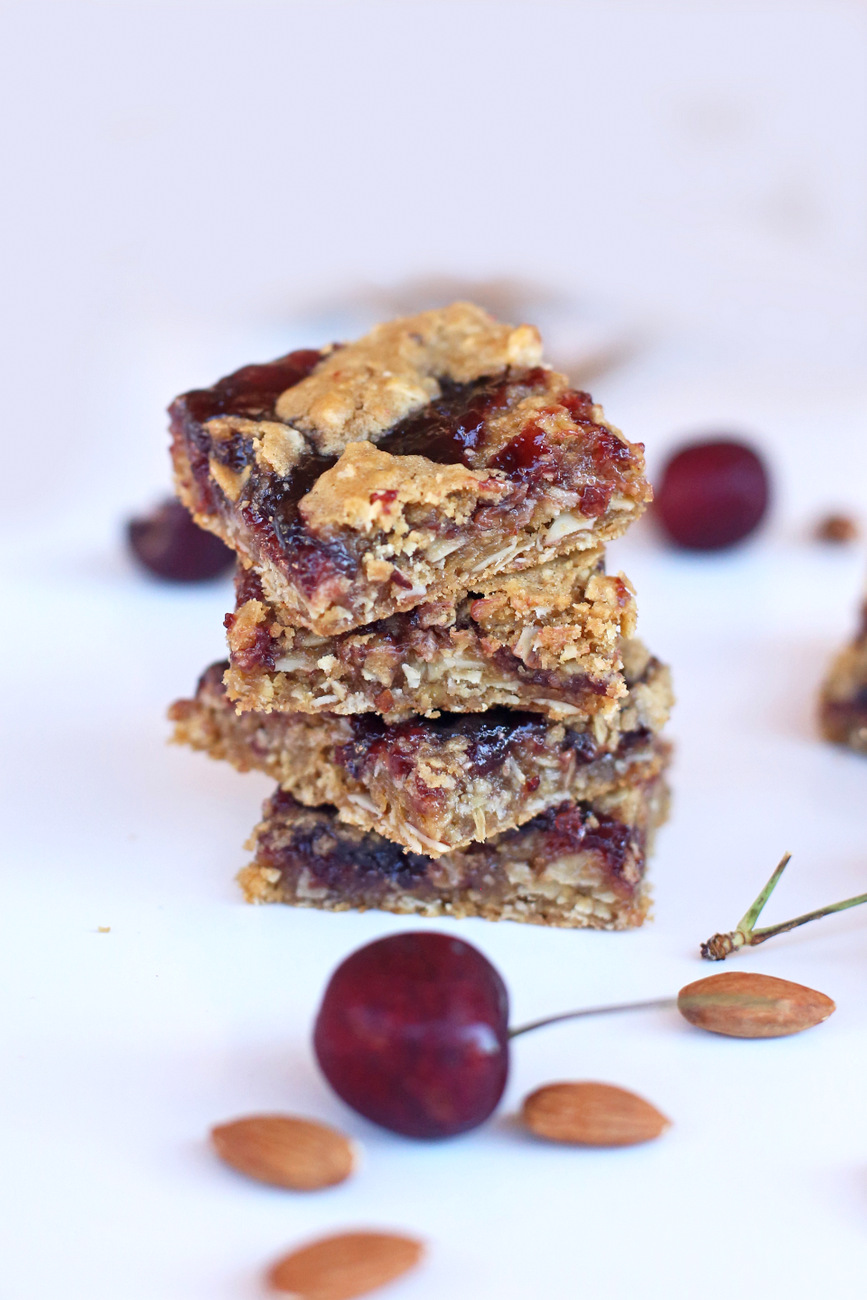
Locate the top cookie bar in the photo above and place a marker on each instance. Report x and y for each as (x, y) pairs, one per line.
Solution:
(366, 479)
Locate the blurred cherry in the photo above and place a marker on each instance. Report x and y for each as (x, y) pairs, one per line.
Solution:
(170, 544)
(713, 493)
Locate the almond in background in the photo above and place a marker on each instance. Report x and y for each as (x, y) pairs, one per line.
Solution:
(592, 1114)
(841, 529)
(341, 1267)
(286, 1151)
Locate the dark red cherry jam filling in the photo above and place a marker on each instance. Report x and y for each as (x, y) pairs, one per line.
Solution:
(341, 860)
(570, 829)
(523, 452)
(354, 865)
(260, 652)
(490, 738)
(451, 429)
(251, 391)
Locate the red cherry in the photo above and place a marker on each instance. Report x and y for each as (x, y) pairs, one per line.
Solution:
(413, 1034)
(713, 494)
(170, 544)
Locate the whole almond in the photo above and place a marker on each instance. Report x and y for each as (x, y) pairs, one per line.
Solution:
(744, 1005)
(338, 1268)
(592, 1114)
(285, 1151)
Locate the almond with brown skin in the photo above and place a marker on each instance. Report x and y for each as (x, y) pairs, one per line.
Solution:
(285, 1151)
(592, 1114)
(338, 1268)
(744, 1005)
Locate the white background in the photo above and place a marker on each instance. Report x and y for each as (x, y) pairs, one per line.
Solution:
(193, 186)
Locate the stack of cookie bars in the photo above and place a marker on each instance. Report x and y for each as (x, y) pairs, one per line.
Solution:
(426, 652)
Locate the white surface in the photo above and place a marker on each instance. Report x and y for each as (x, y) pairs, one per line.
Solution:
(189, 177)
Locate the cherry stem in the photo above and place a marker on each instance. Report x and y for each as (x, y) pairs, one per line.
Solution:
(745, 935)
(591, 1011)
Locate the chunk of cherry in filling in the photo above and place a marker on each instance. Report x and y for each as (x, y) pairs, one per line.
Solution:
(252, 390)
(713, 494)
(451, 429)
(413, 1034)
(171, 545)
(489, 738)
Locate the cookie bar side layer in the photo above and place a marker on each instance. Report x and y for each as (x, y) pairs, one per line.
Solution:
(358, 486)
(843, 699)
(438, 784)
(577, 865)
(548, 640)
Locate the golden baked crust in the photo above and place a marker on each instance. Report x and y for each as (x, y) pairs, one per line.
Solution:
(578, 865)
(547, 640)
(370, 491)
(437, 785)
(360, 391)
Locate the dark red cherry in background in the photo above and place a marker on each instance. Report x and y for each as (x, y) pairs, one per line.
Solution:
(413, 1034)
(171, 545)
(712, 494)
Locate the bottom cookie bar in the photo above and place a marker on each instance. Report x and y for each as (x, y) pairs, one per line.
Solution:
(843, 702)
(577, 865)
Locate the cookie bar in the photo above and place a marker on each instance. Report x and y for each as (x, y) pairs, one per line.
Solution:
(579, 865)
(547, 640)
(365, 480)
(434, 785)
(843, 702)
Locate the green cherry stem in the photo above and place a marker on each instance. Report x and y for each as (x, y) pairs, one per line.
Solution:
(592, 1011)
(745, 935)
